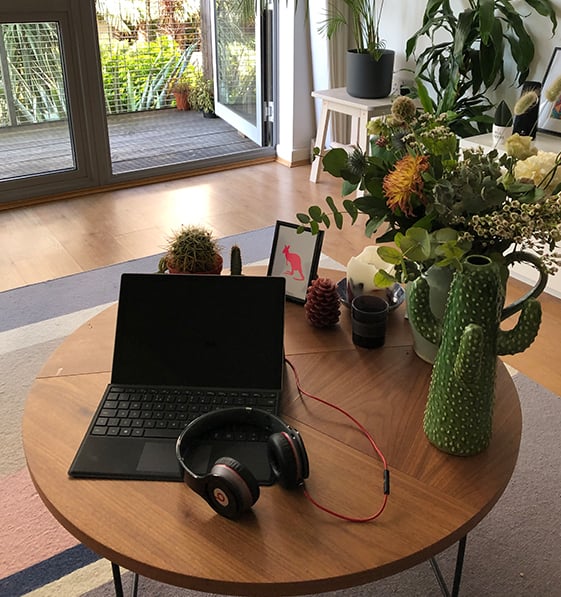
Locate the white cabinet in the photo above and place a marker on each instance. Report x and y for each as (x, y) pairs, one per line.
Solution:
(543, 142)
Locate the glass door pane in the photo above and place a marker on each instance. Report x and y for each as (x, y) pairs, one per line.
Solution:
(35, 133)
(238, 65)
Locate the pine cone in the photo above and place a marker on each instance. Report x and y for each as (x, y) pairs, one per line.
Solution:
(322, 303)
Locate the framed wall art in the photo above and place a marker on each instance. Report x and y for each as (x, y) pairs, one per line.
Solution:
(549, 119)
(295, 257)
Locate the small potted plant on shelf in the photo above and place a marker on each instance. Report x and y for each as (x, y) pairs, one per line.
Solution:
(181, 90)
(192, 250)
(202, 94)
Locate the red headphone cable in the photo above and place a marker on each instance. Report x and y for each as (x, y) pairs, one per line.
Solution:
(371, 441)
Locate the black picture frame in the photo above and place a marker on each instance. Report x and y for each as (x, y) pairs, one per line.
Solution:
(549, 118)
(295, 257)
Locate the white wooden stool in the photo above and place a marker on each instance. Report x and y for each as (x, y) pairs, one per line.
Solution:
(360, 111)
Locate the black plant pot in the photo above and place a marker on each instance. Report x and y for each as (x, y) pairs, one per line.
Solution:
(368, 78)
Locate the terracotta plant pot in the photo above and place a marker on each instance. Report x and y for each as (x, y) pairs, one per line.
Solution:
(181, 100)
(217, 269)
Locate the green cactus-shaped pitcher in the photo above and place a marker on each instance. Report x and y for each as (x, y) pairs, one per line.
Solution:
(459, 412)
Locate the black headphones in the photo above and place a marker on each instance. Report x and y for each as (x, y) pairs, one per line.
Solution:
(229, 487)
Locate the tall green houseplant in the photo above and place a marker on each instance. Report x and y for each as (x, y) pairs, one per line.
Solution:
(369, 63)
(464, 55)
(364, 22)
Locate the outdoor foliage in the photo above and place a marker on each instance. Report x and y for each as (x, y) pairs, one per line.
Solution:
(136, 73)
(35, 77)
(136, 76)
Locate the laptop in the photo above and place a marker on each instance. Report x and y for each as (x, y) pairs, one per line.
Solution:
(185, 345)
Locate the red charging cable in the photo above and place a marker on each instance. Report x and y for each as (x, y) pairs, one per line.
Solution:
(371, 441)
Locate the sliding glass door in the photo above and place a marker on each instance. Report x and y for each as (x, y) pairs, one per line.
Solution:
(87, 93)
(242, 36)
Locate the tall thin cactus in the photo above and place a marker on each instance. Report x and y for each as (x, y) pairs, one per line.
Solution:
(235, 261)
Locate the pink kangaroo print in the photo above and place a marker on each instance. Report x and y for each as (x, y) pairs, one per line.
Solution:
(294, 262)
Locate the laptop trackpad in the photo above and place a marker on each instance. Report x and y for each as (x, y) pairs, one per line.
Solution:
(157, 457)
(253, 455)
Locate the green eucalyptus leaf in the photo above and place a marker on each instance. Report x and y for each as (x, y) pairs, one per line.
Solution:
(445, 235)
(351, 209)
(372, 225)
(335, 161)
(384, 280)
(415, 244)
(390, 255)
(338, 219)
(315, 213)
(348, 188)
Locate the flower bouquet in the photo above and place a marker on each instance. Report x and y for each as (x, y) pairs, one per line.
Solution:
(437, 203)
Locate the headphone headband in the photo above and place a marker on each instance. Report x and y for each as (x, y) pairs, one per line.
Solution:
(229, 416)
(229, 487)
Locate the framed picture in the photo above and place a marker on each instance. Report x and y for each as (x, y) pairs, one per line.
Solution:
(295, 257)
(549, 119)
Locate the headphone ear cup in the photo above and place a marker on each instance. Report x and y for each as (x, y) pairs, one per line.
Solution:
(287, 459)
(231, 489)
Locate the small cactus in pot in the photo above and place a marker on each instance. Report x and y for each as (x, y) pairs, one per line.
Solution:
(235, 261)
(193, 250)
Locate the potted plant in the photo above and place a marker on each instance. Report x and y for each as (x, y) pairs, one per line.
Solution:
(369, 63)
(192, 250)
(202, 94)
(181, 90)
(465, 56)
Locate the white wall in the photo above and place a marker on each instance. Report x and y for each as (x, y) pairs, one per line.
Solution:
(401, 18)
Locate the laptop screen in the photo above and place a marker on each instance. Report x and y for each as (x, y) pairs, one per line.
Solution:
(200, 330)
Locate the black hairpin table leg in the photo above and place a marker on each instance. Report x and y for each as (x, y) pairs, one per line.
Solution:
(457, 571)
(118, 583)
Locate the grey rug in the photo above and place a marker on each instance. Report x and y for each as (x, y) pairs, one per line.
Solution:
(514, 552)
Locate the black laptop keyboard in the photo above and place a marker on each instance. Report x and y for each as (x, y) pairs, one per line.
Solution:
(164, 412)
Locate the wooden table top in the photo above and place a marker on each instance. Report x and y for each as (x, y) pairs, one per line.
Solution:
(285, 546)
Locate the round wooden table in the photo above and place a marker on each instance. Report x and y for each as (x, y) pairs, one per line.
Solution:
(285, 546)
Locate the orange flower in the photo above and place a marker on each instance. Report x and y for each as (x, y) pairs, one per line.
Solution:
(405, 183)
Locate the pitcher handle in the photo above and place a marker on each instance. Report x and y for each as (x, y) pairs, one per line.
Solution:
(523, 256)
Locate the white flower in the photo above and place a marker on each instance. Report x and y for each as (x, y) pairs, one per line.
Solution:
(537, 167)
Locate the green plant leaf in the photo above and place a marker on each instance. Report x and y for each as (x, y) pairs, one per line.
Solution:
(444, 235)
(384, 280)
(315, 213)
(415, 244)
(351, 209)
(390, 255)
(335, 160)
(372, 225)
(424, 97)
(486, 18)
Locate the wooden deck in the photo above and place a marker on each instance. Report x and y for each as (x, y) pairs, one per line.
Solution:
(138, 141)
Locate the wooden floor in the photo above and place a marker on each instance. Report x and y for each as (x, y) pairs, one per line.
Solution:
(65, 237)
